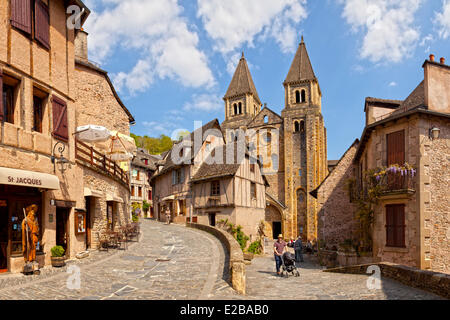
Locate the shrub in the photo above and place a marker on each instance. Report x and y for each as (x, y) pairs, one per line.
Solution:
(57, 251)
(255, 247)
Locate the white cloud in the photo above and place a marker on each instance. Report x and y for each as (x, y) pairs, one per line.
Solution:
(204, 103)
(235, 23)
(157, 128)
(393, 84)
(388, 26)
(443, 20)
(158, 33)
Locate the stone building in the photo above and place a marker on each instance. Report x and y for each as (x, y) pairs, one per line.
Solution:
(406, 143)
(291, 146)
(47, 92)
(142, 169)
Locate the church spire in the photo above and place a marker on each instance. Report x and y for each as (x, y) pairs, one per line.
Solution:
(301, 68)
(242, 82)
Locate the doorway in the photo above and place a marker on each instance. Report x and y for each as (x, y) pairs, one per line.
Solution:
(4, 219)
(89, 202)
(212, 219)
(62, 228)
(276, 229)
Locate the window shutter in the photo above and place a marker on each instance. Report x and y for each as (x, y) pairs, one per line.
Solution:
(1, 96)
(390, 233)
(396, 148)
(400, 226)
(60, 123)
(21, 15)
(42, 23)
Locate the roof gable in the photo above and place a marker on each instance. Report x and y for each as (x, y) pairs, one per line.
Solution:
(273, 118)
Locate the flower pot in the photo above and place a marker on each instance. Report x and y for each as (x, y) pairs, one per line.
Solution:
(58, 262)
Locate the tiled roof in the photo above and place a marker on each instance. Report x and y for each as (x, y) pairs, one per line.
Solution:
(301, 68)
(415, 99)
(242, 82)
(209, 169)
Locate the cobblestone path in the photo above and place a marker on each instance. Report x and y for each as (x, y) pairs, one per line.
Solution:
(174, 262)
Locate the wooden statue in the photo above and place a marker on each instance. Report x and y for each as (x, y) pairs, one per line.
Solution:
(30, 233)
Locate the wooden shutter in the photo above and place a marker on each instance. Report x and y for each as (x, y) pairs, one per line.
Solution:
(390, 228)
(60, 123)
(1, 96)
(400, 225)
(42, 23)
(21, 15)
(396, 148)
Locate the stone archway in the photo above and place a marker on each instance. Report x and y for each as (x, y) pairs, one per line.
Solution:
(273, 221)
(302, 220)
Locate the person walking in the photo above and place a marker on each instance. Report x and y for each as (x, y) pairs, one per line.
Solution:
(298, 247)
(279, 248)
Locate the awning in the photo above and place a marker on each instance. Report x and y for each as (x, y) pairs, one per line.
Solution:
(172, 197)
(30, 179)
(92, 193)
(112, 198)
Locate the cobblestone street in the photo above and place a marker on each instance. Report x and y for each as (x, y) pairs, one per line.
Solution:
(173, 262)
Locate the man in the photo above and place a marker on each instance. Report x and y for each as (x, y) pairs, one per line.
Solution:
(298, 247)
(279, 248)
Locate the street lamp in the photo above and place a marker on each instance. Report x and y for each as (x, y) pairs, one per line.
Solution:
(435, 133)
(61, 161)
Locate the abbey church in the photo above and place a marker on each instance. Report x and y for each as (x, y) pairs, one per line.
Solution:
(295, 154)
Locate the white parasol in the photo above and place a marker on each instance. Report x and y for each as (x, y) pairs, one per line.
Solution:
(92, 133)
(119, 147)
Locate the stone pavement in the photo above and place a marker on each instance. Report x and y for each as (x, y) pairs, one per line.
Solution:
(175, 262)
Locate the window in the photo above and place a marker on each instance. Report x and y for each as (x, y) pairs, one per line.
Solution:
(140, 192)
(212, 219)
(132, 191)
(146, 162)
(266, 119)
(303, 97)
(182, 205)
(235, 109)
(22, 14)
(215, 188)
(138, 175)
(60, 122)
(240, 107)
(297, 96)
(395, 225)
(268, 138)
(396, 148)
(150, 195)
(252, 167)
(296, 126)
(253, 190)
(178, 176)
(8, 87)
(302, 126)
(39, 101)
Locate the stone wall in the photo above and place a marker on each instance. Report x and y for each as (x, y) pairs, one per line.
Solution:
(435, 282)
(335, 211)
(237, 265)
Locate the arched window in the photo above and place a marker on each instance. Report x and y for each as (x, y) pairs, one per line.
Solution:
(303, 96)
(235, 108)
(296, 126)
(240, 107)
(302, 126)
(297, 96)
(266, 119)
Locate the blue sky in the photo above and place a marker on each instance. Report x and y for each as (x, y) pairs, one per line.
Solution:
(172, 60)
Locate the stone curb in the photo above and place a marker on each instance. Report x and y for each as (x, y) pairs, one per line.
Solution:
(237, 264)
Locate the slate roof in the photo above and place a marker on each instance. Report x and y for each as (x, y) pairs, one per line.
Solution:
(301, 68)
(169, 164)
(139, 160)
(242, 82)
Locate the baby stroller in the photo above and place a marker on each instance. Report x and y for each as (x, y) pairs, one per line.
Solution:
(288, 267)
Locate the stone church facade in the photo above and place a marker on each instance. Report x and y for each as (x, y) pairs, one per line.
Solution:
(291, 146)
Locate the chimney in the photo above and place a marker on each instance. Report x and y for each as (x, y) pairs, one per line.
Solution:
(432, 57)
(442, 60)
(81, 45)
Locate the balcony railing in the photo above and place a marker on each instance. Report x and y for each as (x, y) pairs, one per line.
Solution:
(395, 182)
(93, 158)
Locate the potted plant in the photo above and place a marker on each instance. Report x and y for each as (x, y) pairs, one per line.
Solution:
(58, 258)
